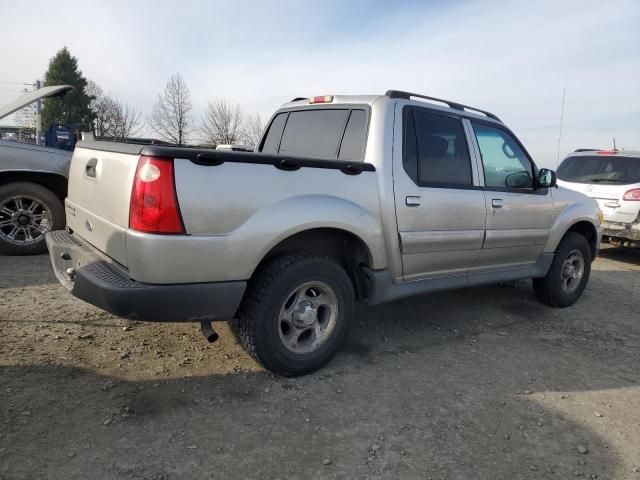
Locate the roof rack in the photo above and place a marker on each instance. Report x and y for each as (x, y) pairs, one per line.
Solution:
(578, 150)
(299, 98)
(454, 105)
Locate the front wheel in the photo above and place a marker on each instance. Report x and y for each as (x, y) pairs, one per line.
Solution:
(295, 313)
(28, 211)
(568, 275)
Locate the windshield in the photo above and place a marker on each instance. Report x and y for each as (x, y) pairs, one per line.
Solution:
(600, 169)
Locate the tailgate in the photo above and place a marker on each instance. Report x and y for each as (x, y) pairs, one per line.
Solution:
(97, 204)
(611, 202)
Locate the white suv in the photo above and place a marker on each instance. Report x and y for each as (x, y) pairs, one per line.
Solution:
(612, 177)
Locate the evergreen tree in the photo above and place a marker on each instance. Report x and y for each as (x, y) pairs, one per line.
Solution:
(71, 109)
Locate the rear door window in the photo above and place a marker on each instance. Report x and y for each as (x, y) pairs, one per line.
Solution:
(435, 150)
(318, 133)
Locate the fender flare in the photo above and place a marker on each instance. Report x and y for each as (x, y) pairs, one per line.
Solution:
(291, 216)
(569, 218)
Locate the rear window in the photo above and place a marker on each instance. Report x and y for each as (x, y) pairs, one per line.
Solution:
(318, 133)
(272, 140)
(353, 139)
(600, 169)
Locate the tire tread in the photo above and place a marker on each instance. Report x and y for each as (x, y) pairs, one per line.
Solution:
(255, 296)
(545, 288)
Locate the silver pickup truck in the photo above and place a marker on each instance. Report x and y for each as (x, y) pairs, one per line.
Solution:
(346, 198)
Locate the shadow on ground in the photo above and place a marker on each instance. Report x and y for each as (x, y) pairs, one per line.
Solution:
(26, 271)
(622, 254)
(424, 388)
(474, 384)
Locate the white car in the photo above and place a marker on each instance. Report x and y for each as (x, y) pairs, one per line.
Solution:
(612, 177)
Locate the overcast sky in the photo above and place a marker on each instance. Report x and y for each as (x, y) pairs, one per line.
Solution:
(512, 58)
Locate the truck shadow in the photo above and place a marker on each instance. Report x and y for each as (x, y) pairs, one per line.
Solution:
(481, 384)
(26, 271)
(622, 254)
(445, 420)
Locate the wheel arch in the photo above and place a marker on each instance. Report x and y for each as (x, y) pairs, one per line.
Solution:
(579, 217)
(587, 230)
(344, 246)
(55, 182)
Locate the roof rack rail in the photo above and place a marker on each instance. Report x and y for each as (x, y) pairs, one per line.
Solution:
(454, 105)
(299, 98)
(578, 150)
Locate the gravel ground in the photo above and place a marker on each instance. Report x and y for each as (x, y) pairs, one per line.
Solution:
(482, 383)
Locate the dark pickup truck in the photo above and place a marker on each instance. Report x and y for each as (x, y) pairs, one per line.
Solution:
(33, 185)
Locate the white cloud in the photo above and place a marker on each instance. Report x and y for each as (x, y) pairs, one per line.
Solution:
(512, 58)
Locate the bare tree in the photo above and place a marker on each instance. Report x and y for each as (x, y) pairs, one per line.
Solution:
(127, 121)
(252, 130)
(111, 117)
(222, 123)
(103, 108)
(171, 114)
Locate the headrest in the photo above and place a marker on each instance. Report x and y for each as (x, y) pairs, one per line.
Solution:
(435, 146)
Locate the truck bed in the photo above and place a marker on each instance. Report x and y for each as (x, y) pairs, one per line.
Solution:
(235, 207)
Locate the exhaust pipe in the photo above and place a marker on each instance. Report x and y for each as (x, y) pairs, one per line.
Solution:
(208, 331)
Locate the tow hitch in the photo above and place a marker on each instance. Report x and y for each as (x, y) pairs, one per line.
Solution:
(70, 273)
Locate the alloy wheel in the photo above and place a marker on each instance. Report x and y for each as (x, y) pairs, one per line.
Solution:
(24, 220)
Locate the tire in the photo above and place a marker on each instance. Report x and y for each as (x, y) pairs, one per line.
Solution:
(274, 320)
(47, 215)
(557, 289)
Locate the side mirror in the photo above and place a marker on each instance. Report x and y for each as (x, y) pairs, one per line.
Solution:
(546, 178)
(518, 180)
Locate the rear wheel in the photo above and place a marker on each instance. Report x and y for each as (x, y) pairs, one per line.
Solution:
(28, 211)
(295, 313)
(568, 275)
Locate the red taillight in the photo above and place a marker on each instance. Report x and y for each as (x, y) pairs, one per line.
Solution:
(607, 152)
(633, 195)
(321, 99)
(154, 203)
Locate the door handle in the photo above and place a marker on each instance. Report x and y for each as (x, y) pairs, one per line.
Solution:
(90, 168)
(412, 201)
(496, 203)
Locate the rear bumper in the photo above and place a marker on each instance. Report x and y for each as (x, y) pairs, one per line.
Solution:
(630, 231)
(95, 279)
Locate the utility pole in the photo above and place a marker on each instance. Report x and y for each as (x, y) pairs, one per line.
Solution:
(38, 115)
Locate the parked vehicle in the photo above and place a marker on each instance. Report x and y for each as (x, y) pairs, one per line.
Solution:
(612, 177)
(347, 198)
(33, 185)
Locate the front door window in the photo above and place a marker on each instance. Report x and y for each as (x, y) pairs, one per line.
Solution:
(505, 163)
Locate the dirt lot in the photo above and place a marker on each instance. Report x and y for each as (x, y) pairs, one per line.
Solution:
(473, 384)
